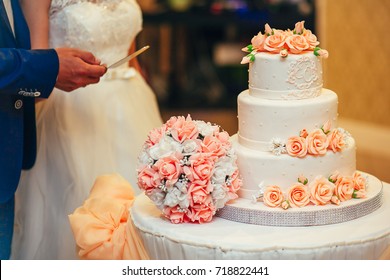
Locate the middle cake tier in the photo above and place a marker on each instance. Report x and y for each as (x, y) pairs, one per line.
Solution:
(261, 120)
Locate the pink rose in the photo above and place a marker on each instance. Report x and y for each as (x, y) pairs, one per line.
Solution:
(258, 42)
(235, 182)
(336, 141)
(273, 196)
(224, 138)
(311, 39)
(317, 142)
(155, 136)
(299, 27)
(359, 181)
(213, 147)
(199, 193)
(169, 169)
(201, 168)
(321, 191)
(245, 60)
(297, 44)
(175, 215)
(296, 146)
(344, 188)
(184, 129)
(298, 195)
(275, 43)
(201, 213)
(148, 179)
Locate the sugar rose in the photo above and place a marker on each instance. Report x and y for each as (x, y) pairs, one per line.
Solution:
(273, 196)
(296, 146)
(317, 142)
(344, 188)
(258, 42)
(336, 141)
(297, 44)
(359, 181)
(275, 43)
(321, 191)
(298, 195)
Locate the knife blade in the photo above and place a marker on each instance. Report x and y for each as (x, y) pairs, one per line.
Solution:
(128, 58)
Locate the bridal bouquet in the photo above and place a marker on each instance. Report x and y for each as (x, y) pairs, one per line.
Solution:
(188, 169)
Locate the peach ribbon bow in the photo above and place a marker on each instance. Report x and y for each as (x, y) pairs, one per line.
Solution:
(102, 226)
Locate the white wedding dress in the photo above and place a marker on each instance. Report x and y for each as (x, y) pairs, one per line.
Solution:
(89, 132)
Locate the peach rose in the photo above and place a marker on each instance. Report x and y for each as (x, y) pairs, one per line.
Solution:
(323, 53)
(321, 191)
(311, 39)
(298, 195)
(317, 142)
(258, 42)
(334, 176)
(148, 179)
(302, 179)
(303, 133)
(297, 44)
(336, 141)
(268, 30)
(326, 127)
(344, 188)
(283, 53)
(285, 205)
(184, 129)
(359, 194)
(296, 146)
(359, 181)
(299, 27)
(169, 168)
(224, 138)
(275, 43)
(201, 168)
(335, 200)
(273, 196)
(201, 213)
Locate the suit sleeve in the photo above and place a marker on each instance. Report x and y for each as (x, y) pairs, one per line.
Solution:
(28, 72)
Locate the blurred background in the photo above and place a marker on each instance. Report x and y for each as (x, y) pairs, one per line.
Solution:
(194, 61)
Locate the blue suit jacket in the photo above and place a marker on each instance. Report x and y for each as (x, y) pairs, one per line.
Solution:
(24, 75)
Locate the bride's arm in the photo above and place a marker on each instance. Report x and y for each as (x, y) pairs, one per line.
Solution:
(37, 16)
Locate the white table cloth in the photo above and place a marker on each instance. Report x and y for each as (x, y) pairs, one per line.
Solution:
(365, 238)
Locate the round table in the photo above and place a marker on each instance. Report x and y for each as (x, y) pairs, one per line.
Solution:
(365, 238)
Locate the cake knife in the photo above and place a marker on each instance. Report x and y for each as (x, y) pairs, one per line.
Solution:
(128, 58)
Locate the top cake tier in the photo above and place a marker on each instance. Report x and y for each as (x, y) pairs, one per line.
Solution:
(285, 64)
(297, 76)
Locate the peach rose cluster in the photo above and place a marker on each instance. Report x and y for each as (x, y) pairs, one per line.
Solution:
(317, 142)
(321, 191)
(188, 169)
(284, 42)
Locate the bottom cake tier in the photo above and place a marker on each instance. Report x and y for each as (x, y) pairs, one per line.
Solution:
(246, 211)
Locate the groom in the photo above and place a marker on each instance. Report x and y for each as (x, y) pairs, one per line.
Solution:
(24, 75)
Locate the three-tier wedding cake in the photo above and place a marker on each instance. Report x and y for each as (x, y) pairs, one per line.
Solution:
(298, 167)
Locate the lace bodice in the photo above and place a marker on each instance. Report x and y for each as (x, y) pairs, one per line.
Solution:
(104, 27)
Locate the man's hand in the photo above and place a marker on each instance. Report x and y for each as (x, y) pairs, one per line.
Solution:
(77, 69)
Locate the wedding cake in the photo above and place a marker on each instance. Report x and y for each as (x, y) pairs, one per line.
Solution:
(297, 166)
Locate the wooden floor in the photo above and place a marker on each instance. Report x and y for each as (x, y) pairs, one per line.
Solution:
(372, 141)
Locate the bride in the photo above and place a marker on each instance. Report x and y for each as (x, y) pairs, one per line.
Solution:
(97, 130)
